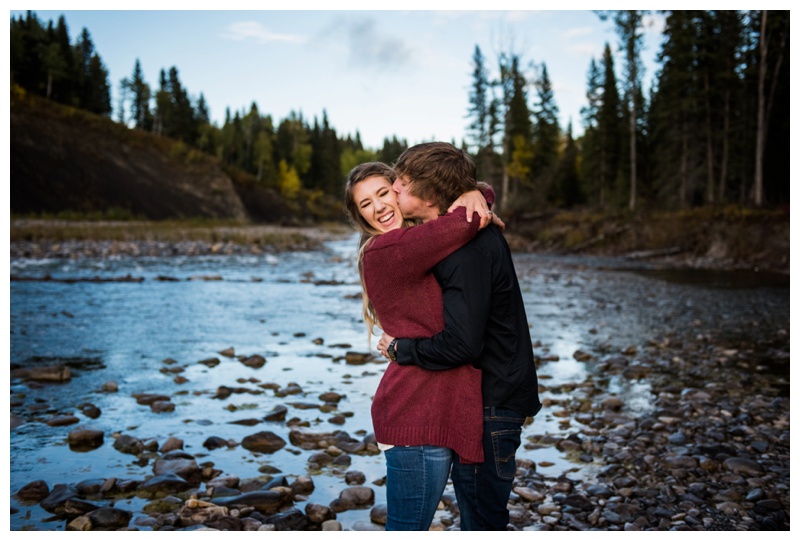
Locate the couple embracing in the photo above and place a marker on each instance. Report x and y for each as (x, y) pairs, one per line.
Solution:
(439, 281)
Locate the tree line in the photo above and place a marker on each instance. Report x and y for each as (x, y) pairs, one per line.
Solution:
(713, 130)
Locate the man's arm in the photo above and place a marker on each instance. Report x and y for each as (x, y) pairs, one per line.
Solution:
(465, 278)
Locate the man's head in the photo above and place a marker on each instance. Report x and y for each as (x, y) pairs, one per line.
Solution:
(430, 176)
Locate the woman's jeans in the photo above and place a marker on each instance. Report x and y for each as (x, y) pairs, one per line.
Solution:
(482, 490)
(415, 480)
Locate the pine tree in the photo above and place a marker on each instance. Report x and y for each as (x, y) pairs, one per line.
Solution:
(546, 136)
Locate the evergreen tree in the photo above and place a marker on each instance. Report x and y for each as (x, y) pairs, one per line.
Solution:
(391, 150)
(137, 92)
(546, 136)
(568, 185)
(478, 128)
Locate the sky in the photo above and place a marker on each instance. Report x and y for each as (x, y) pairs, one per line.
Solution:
(382, 73)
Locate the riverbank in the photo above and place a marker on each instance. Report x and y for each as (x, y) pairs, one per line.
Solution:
(721, 239)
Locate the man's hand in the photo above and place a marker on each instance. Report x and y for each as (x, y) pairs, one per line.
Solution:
(474, 202)
(383, 343)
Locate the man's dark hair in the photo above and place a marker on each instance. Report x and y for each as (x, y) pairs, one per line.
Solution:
(437, 172)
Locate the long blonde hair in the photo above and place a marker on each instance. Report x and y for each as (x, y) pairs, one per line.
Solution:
(358, 174)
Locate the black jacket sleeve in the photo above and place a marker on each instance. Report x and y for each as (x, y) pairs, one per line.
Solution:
(465, 278)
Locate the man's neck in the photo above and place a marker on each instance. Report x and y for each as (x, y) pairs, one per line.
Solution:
(431, 213)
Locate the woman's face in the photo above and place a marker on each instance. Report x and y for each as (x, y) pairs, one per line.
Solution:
(377, 203)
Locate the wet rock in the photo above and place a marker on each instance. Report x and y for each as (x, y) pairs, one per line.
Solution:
(267, 502)
(303, 485)
(290, 389)
(303, 405)
(35, 491)
(358, 495)
(200, 512)
(63, 420)
(211, 362)
(253, 361)
(278, 413)
(599, 491)
(162, 406)
(355, 478)
(291, 520)
(331, 526)
(89, 487)
(337, 420)
(263, 442)
(378, 514)
(90, 410)
(128, 444)
(85, 438)
(356, 358)
(167, 504)
(109, 518)
(318, 513)
(582, 356)
(331, 397)
(80, 524)
(110, 387)
(74, 507)
(146, 399)
(215, 442)
(228, 481)
(181, 464)
(320, 460)
(166, 483)
(227, 352)
(56, 373)
(171, 444)
(54, 502)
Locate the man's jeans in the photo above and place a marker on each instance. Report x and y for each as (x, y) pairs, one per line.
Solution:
(415, 480)
(482, 490)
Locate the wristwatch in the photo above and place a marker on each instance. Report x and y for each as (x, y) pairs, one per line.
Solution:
(391, 351)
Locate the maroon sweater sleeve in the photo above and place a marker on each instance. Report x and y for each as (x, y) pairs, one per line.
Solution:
(412, 250)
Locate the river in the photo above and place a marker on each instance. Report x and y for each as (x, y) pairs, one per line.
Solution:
(301, 312)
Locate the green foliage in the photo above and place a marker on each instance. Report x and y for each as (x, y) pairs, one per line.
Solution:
(288, 180)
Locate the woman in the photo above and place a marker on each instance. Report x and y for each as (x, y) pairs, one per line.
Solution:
(419, 417)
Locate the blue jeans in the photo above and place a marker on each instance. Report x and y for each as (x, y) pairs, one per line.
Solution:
(482, 490)
(415, 479)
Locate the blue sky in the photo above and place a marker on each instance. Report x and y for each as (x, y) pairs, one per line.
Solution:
(383, 73)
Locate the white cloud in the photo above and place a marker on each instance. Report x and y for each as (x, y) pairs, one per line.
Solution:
(254, 30)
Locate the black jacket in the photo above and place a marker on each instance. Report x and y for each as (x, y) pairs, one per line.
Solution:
(485, 324)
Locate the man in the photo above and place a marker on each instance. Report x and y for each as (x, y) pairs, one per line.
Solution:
(485, 324)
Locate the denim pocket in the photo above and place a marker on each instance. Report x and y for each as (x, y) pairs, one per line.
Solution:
(505, 443)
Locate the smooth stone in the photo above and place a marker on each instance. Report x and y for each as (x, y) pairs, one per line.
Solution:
(63, 420)
(215, 442)
(366, 526)
(56, 373)
(744, 466)
(54, 502)
(172, 444)
(278, 413)
(128, 444)
(319, 513)
(355, 478)
(85, 438)
(303, 485)
(265, 501)
(331, 526)
(35, 491)
(162, 406)
(291, 520)
(528, 494)
(254, 361)
(79, 524)
(167, 482)
(109, 518)
(191, 513)
(331, 397)
(179, 463)
(263, 442)
(358, 495)
(378, 514)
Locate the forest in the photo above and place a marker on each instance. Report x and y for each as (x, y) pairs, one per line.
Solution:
(712, 131)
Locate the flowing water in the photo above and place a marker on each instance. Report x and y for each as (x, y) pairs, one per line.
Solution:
(301, 311)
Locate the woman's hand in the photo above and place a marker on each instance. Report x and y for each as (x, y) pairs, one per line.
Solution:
(383, 343)
(474, 202)
(498, 222)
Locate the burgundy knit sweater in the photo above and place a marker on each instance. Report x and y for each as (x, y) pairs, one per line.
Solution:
(413, 406)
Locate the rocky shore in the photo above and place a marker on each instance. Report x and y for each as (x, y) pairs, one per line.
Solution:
(712, 455)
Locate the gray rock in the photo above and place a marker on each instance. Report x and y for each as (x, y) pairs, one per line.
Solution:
(85, 438)
(168, 482)
(267, 502)
(378, 514)
(109, 518)
(54, 502)
(129, 445)
(744, 466)
(318, 513)
(291, 520)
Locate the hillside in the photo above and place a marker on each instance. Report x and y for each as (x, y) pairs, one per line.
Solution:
(65, 160)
